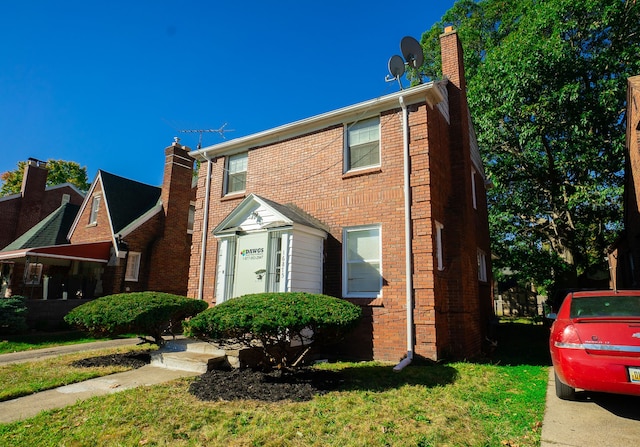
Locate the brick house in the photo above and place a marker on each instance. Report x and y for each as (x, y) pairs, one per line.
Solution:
(21, 212)
(380, 203)
(124, 236)
(624, 257)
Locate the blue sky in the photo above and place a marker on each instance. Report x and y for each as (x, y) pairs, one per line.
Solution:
(108, 84)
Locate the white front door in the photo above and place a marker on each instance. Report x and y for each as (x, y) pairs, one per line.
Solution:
(251, 264)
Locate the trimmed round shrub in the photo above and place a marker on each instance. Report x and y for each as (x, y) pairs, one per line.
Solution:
(141, 313)
(280, 322)
(13, 314)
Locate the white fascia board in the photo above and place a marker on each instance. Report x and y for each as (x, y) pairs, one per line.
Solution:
(413, 95)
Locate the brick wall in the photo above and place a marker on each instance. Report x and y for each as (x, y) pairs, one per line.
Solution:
(169, 266)
(20, 213)
(308, 171)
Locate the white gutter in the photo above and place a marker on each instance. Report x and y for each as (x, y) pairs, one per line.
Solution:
(407, 239)
(205, 229)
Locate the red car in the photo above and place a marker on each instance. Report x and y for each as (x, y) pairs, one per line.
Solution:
(595, 343)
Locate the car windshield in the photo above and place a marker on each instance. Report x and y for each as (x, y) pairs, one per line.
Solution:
(605, 306)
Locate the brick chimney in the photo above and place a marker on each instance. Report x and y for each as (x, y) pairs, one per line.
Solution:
(34, 182)
(170, 263)
(459, 214)
(452, 58)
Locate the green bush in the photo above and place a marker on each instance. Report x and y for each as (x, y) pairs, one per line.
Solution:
(284, 324)
(13, 314)
(141, 313)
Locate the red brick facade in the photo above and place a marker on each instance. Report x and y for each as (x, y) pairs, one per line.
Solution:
(303, 164)
(19, 213)
(624, 260)
(161, 238)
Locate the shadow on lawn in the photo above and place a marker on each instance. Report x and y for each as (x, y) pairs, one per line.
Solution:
(522, 344)
(381, 378)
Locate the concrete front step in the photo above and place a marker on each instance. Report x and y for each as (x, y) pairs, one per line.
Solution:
(187, 361)
(194, 355)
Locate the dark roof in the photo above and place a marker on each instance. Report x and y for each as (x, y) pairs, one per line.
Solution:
(52, 230)
(127, 199)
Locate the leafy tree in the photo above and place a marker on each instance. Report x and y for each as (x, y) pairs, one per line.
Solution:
(60, 171)
(141, 313)
(547, 91)
(278, 321)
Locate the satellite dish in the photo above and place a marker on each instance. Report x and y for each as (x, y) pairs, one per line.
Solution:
(396, 66)
(412, 51)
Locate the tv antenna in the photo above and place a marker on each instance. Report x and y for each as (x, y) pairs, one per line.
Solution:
(220, 130)
(413, 58)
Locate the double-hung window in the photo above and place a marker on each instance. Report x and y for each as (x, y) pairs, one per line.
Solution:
(363, 144)
(362, 263)
(236, 178)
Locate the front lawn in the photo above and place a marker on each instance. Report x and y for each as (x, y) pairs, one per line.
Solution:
(496, 403)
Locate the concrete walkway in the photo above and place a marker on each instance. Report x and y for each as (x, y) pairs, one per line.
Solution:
(29, 406)
(592, 420)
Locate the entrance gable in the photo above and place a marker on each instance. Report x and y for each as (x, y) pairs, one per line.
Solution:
(267, 247)
(257, 213)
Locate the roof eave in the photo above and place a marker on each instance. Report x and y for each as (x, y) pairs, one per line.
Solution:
(411, 96)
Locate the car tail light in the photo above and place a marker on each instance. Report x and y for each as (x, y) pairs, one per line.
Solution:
(568, 338)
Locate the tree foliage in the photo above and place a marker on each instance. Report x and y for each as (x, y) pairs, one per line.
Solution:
(13, 314)
(547, 89)
(277, 321)
(140, 313)
(60, 171)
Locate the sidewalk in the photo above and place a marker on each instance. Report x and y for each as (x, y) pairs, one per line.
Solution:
(29, 406)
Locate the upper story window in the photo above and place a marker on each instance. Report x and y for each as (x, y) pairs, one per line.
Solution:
(482, 266)
(236, 173)
(95, 207)
(439, 247)
(363, 144)
(362, 263)
(192, 217)
(474, 198)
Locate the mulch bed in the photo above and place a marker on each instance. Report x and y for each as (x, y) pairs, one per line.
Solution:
(130, 360)
(239, 384)
(248, 384)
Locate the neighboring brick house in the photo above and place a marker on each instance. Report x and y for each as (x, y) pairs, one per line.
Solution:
(36, 200)
(624, 258)
(21, 212)
(323, 204)
(125, 236)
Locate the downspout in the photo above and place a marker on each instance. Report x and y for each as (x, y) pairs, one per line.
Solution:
(407, 239)
(205, 229)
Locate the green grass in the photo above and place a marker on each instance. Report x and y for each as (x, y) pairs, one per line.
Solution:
(454, 404)
(20, 379)
(16, 343)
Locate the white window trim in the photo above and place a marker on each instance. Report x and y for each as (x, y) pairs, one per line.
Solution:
(474, 197)
(345, 279)
(439, 246)
(132, 272)
(482, 266)
(191, 220)
(95, 208)
(227, 172)
(347, 147)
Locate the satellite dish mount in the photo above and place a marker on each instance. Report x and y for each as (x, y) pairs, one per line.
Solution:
(413, 58)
